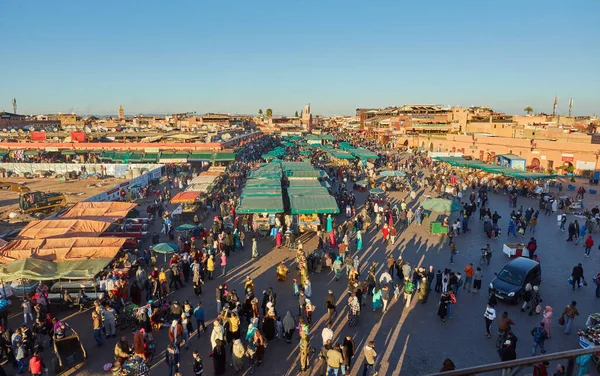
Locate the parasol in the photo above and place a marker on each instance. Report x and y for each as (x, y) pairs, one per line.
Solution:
(441, 205)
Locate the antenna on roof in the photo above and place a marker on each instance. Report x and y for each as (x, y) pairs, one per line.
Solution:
(14, 104)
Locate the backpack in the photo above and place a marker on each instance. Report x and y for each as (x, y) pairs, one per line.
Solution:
(539, 335)
(453, 298)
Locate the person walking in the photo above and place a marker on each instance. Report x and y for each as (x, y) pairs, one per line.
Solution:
(589, 243)
(548, 320)
(539, 338)
(469, 272)
(490, 315)
(108, 314)
(348, 349)
(238, 356)
(223, 264)
(443, 307)
(172, 359)
(507, 353)
(254, 248)
(409, 288)
(304, 350)
(330, 305)
(370, 355)
(477, 277)
(453, 252)
(577, 275)
(569, 314)
(97, 326)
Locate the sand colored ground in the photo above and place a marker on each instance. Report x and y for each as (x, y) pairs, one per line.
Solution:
(75, 191)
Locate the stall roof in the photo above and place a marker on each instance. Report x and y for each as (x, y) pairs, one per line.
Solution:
(61, 228)
(313, 204)
(495, 169)
(260, 204)
(61, 249)
(308, 191)
(98, 210)
(187, 197)
(304, 183)
(35, 269)
(261, 191)
(340, 154)
(223, 156)
(151, 157)
(364, 153)
(263, 183)
(201, 156)
(303, 174)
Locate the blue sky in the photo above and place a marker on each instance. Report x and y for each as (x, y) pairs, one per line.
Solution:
(239, 56)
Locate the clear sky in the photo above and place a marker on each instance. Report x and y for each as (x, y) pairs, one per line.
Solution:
(239, 56)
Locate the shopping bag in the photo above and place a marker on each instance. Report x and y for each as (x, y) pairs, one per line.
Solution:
(561, 320)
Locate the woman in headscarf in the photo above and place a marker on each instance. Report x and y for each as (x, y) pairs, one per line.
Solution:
(337, 267)
(219, 357)
(307, 288)
(269, 327)
(535, 301)
(176, 333)
(424, 290)
(250, 334)
(255, 312)
(289, 324)
(238, 356)
(359, 244)
(377, 302)
(236, 239)
(218, 333)
(278, 239)
(254, 248)
(353, 310)
(547, 320)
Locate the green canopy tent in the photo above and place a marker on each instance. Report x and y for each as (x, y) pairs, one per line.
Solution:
(43, 270)
(441, 205)
(313, 204)
(165, 248)
(260, 204)
(376, 191)
(185, 227)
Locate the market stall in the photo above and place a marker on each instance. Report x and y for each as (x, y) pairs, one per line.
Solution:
(515, 250)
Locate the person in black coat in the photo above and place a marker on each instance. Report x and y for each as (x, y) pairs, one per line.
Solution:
(507, 352)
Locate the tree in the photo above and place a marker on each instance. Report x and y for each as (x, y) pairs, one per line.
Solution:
(296, 114)
(529, 110)
(269, 112)
(260, 112)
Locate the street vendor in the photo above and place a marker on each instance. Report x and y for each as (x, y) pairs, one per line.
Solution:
(282, 271)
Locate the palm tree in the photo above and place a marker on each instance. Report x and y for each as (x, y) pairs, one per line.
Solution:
(296, 114)
(260, 112)
(269, 112)
(528, 110)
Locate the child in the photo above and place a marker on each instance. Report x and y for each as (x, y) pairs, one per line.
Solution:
(278, 328)
(396, 292)
(26, 310)
(296, 289)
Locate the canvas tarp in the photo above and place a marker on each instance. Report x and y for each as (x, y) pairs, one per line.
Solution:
(187, 197)
(263, 183)
(43, 270)
(303, 174)
(261, 191)
(61, 228)
(61, 249)
(305, 183)
(96, 210)
(260, 204)
(319, 204)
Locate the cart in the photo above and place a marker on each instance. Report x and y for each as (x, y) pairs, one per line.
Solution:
(515, 250)
(70, 354)
(590, 336)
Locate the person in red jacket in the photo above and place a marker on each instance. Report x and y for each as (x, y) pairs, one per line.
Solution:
(589, 243)
(36, 365)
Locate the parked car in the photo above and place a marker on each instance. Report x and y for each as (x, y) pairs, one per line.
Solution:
(510, 282)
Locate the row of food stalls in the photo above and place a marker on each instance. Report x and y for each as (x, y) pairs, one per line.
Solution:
(155, 156)
(195, 195)
(287, 188)
(516, 173)
(79, 244)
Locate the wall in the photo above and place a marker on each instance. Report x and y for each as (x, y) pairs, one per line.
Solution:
(547, 153)
(117, 170)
